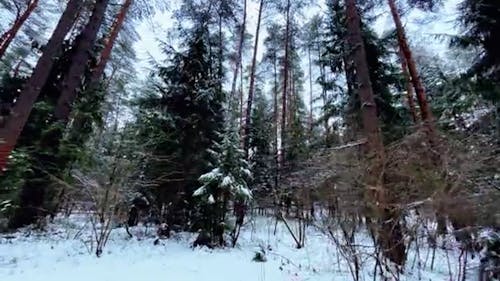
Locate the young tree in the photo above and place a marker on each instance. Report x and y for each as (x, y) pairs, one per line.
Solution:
(225, 183)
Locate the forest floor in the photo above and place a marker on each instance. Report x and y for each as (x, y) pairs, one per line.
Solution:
(63, 252)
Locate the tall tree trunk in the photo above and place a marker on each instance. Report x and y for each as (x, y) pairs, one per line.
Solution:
(390, 232)
(221, 55)
(409, 87)
(425, 110)
(24, 104)
(311, 121)
(276, 121)
(110, 41)
(239, 51)
(251, 88)
(241, 103)
(281, 154)
(324, 97)
(79, 61)
(10, 34)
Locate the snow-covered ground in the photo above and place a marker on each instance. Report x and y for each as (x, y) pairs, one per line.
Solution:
(62, 253)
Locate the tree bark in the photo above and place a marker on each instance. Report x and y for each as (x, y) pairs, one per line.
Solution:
(275, 119)
(10, 34)
(79, 62)
(281, 154)
(239, 51)
(409, 87)
(311, 121)
(425, 110)
(324, 97)
(251, 88)
(110, 41)
(9, 134)
(390, 232)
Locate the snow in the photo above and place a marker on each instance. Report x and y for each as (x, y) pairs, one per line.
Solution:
(62, 253)
(227, 181)
(199, 191)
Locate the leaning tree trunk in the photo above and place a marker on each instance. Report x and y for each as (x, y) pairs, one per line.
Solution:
(425, 110)
(79, 61)
(409, 87)
(10, 34)
(10, 133)
(390, 232)
(110, 41)
(251, 88)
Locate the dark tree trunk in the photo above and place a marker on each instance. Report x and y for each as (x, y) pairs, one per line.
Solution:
(9, 134)
(390, 235)
(85, 44)
(251, 88)
(281, 153)
(275, 119)
(110, 41)
(324, 97)
(10, 34)
(311, 121)
(239, 52)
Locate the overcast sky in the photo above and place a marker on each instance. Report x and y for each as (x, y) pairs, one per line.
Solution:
(425, 25)
(422, 29)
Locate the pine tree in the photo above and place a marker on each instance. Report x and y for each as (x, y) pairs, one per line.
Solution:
(425, 110)
(84, 43)
(389, 233)
(50, 154)
(9, 134)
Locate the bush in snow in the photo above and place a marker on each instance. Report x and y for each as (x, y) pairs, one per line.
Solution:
(226, 183)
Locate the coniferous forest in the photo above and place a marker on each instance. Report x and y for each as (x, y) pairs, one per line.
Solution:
(317, 140)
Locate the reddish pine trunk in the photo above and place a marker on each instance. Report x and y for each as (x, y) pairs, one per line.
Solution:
(110, 41)
(79, 61)
(10, 34)
(252, 83)
(22, 108)
(409, 87)
(281, 154)
(240, 51)
(425, 110)
(390, 233)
